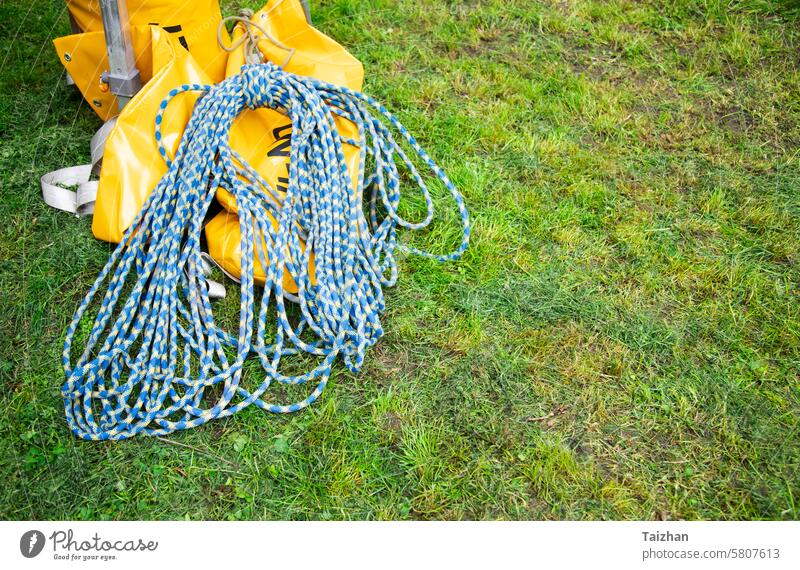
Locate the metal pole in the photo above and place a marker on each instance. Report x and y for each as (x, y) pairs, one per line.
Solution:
(123, 77)
(304, 3)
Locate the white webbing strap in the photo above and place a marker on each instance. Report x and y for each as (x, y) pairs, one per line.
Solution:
(56, 192)
(56, 185)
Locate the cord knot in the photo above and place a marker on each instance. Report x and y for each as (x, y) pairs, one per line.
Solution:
(260, 89)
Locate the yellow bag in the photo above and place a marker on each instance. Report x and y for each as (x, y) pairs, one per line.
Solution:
(193, 23)
(132, 164)
(315, 54)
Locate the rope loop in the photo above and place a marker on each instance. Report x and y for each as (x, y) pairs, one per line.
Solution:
(154, 360)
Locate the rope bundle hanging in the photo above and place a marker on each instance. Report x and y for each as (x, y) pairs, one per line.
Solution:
(155, 360)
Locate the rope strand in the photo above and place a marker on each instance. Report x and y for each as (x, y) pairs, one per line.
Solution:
(151, 358)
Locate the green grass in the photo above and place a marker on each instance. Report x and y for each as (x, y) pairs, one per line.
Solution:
(620, 341)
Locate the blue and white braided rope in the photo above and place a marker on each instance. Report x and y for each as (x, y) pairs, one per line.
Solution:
(154, 350)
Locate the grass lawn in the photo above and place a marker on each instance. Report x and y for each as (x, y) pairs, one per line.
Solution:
(621, 339)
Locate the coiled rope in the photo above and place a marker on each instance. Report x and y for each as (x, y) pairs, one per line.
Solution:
(154, 360)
